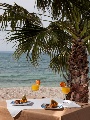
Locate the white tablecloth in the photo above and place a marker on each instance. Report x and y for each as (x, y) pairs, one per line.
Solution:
(36, 104)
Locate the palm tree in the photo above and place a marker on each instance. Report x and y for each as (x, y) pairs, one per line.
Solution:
(65, 40)
(59, 7)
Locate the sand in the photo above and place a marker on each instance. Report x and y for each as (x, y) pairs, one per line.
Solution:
(18, 92)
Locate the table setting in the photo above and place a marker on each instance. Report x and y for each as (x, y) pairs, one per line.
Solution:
(14, 108)
(50, 108)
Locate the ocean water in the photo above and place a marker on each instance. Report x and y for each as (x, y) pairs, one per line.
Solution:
(20, 73)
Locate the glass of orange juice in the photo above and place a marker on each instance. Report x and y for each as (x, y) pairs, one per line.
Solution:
(35, 87)
(65, 90)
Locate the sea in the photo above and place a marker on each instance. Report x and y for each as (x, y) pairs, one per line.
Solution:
(21, 73)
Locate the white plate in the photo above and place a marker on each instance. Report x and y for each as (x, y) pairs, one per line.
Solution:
(21, 104)
(57, 108)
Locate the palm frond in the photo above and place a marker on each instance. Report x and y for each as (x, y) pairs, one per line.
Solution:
(59, 62)
(17, 16)
(61, 6)
(55, 40)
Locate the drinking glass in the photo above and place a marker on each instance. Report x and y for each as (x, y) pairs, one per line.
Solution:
(35, 87)
(65, 90)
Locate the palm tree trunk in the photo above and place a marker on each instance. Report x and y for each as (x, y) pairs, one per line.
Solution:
(78, 72)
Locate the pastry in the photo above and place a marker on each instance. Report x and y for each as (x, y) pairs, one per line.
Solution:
(24, 99)
(17, 101)
(53, 103)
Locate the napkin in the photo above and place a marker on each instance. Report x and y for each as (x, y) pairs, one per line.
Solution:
(69, 104)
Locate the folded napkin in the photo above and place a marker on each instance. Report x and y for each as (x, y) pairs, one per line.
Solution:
(69, 104)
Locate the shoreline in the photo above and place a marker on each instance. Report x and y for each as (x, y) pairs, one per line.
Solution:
(18, 92)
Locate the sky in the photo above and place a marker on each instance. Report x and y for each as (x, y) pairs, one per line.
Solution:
(29, 5)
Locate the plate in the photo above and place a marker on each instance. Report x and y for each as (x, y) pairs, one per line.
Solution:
(21, 104)
(56, 108)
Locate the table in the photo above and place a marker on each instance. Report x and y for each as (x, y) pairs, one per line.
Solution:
(82, 113)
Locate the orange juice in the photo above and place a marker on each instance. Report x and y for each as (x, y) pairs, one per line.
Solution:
(35, 87)
(38, 82)
(65, 90)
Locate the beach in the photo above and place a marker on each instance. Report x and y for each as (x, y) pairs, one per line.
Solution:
(16, 78)
(18, 92)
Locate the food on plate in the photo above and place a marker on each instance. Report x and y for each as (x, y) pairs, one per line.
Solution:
(53, 104)
(23, 100)
(17, 101)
